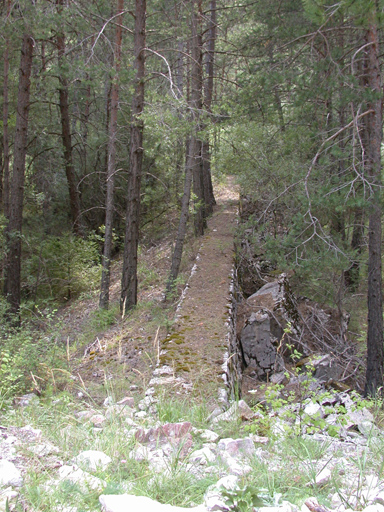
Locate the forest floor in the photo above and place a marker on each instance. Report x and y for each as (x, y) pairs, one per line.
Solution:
(110, 355)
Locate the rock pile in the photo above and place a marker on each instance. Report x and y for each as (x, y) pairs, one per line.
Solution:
(202, 452)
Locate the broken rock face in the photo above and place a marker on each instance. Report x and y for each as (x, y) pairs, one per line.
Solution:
(262, 319)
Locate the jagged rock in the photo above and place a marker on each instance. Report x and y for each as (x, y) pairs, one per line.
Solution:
(116, 410)
(323, 477)
(85, 480)
(171, 437)
(202, 456)
(128, 401)
(9, 474)
(124, 502)
(208, 435)
(326, 369)
(238, 410)
(108, 401)
(98, 420)
(261, 321)
(237, 448)
(44, 449)
(213, 499)
(85, 415)
(7, 495)
(93, 459)
(25, 400)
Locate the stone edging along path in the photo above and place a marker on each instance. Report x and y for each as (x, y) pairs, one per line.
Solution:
(195, 354)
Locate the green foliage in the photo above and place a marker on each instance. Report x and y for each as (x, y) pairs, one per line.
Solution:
(60, 267)
(242, 499)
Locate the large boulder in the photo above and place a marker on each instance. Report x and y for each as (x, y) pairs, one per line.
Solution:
(263, 320)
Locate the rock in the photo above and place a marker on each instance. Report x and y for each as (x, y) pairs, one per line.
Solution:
(172, 437)
(127, 400)
(141, 414)
(209, 435)
(374, 508)
(326, 368)
(43, 450)
(85, 480)
(237, 448)
(245, 411)
(9, 474)
(25, 400)
(85, 415)
(7, 495)
(202, 456)
(259, 439)
(116, 410)
(213, 499)
(323, 477)
(108, 401)
(98, 420)
(93, 460)
(30, 432)
(125, 502)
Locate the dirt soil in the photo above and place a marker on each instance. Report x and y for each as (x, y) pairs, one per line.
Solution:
(190, 336)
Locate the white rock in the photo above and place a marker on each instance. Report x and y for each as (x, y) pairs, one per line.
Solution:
(43, 450)
(209, 435)
(108, 401)
(312, 409)
(7, 494)
(97, 420)
(140, 414)
(202, 456)
(93, 459)
(33, 432)
(374, 508)
(9, 474)
(323, 477)
(76, 475)
(127, 502)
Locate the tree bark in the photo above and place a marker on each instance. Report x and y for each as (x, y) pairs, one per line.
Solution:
(12, 282)
(196, 106)
(209, 197)
(5, 166)
(129, 276)
(375, 356)
(111, 168)
(74, 197)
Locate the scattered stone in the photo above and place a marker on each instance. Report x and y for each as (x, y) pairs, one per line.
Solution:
(116, 410)
(85, 415)
(237, 448)
(93, 460)
(9, 474)
(85, 480)
(124, 502)
(98, 420)
(127, 400)
(7, 495)
(108, 401)
(43, 450)
(25, 400)
(202, 456)
(209, 435)
(323, 477)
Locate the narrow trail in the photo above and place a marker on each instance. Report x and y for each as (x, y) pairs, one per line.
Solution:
(195, 349)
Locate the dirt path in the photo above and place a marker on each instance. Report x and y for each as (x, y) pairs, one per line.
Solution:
(196, 346)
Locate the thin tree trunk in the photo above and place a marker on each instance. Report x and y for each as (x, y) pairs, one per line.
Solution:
(375, 356)
(111, 171)
(74, 198)
(196, 105)
(13, 260)
(129, 276)
(209, 197)
(5, 166)
(184, 214)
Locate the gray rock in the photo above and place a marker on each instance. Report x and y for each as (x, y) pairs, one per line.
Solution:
(237, 448)
(202, 456)
(125, 502)
(9, 474)
(85, 480)
(209, 435)
(98, 420)
(93, 459)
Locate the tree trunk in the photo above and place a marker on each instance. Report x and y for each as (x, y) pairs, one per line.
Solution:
(129, 276)
(14, 228)
(375, 359)
(74, 198)
(196, 105)
(111, 168)
(5, 166)
(184, 214)
(209, 197)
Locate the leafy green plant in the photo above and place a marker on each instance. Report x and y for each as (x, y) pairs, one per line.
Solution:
(242, 499)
